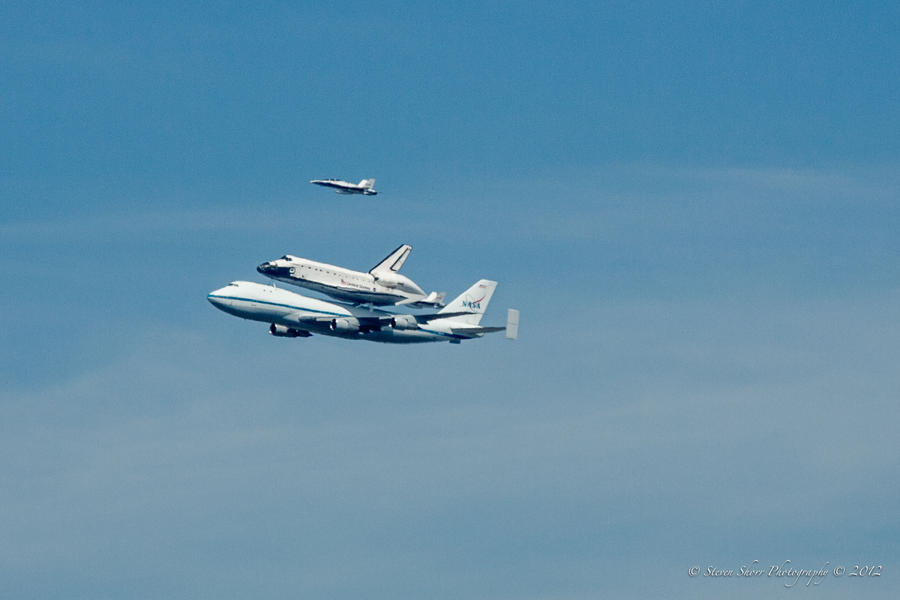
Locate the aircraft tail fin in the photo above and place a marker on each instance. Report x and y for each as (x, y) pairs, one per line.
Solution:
(367, 183)
(473, 301)
(393, 261)
(436, 298)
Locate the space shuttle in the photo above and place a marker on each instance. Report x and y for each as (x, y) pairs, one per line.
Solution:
(381, 286)
(345, 187)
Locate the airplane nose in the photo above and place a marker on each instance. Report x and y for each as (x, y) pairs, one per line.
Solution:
(215, 299)
(262, 268)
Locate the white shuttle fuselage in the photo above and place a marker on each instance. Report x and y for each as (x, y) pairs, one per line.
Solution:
(382, 285)
(293, 315)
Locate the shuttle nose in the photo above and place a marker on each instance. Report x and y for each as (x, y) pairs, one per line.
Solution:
(273, 270)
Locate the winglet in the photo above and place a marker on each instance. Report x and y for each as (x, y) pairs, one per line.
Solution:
(512, 324)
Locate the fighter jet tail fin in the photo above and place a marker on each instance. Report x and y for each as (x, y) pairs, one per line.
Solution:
(367, 183)
(393, 261)
(473, 301)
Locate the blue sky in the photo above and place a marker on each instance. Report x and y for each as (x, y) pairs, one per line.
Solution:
(694, 207)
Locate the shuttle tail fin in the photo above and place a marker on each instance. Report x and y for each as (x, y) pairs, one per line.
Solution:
(392, 261)
(474, 300)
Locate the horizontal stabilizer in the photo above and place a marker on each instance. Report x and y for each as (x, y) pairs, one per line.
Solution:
(441, 315)
(473, 332)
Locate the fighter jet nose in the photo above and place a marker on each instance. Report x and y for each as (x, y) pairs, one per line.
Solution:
(262, 268)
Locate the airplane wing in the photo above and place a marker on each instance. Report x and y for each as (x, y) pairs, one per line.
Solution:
(387, 318)
(310, 321)
(365, 323)
(377, 322)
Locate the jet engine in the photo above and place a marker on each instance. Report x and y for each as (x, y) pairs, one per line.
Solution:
(282, 331)
(344, 325)
(404, 322)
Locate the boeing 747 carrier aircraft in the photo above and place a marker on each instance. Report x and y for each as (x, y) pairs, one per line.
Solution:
(292, 315)
(382, 285)
(345, 187)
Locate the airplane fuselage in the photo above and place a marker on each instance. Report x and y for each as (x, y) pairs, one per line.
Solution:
(345, 187)
(298, 316)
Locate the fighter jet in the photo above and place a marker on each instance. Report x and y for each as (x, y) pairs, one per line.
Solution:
(292, 315)
(382, 285)
(345, 187)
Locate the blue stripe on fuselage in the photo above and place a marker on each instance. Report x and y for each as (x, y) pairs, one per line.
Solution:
(276, 304)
